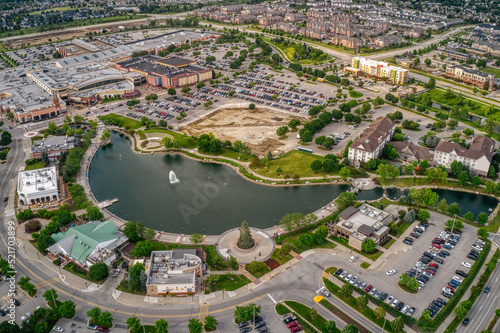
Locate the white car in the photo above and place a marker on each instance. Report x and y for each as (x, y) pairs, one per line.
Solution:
(394, 303)
(23, 318)
(389, 300)
(405, 309)
(391, 272)
(353, 258)
(58, 329)
(459, 279)
(466, 264)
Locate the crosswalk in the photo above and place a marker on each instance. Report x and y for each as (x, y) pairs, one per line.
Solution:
(47, 282)
(203, 311)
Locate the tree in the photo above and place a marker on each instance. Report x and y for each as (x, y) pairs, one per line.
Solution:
(390, 152)
(379, 312)
(171, 91)
(245, 241)
(196, 239)
(134, 324)
(94, 314)
(482, 233)
(454, 209)
(350, 328)
(388, 172)
(94, 214)
(469, 216)
(305, 239)
(246, 313)
(142, 248)
(313, 313)
(454, 224)
(346, 290)
(345, 173)
(442, 206)
(67, 309)
(423, 215)
(362, 301)
(410, 216)
(251, 106)
(416, 61)
(3, 154)
(105, 319)
(393, 227)
(432, 83)
(281, 131)
(463, 178)
(462, 309)
(368, 245)
(482, 218)
(476, 181)
(320, 234)
(52, 127)
(210, 324)
(99, 271)
(344, 200)
(330, 326)
(427, 61)
(195, 326)
(185, 89)
(397, 324)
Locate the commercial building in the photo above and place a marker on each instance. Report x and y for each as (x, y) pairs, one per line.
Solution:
(88, 244)
(372, 140)
(358, 224)
(471, 76)
(52, 147)
(378, 69)
(456, 55)
(38, 186)
(488, 47)
(477, 158)
(173, 272)
(166, 72)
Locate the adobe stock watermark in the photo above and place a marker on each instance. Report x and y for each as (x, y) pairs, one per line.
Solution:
(11, 259)
(201, 197)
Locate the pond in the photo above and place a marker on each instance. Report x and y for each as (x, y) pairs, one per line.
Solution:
(208, 198)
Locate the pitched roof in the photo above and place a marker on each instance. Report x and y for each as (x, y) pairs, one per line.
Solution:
(374, 133)
(80, 241)
(480, 146)
(416, 151)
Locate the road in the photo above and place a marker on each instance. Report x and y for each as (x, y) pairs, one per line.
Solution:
(483, 310)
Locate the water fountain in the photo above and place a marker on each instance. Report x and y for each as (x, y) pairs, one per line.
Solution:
(173, 178)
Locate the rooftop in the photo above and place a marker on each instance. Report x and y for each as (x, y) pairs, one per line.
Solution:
(173, 267)
(35, 181)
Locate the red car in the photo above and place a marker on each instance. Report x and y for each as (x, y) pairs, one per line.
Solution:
(367, 289)
(434, 265)
(5, 199)
(292, 324)
(437, 246)
(102, 329)
(295, 329)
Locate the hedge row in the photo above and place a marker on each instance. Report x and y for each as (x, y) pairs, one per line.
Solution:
(455, 299)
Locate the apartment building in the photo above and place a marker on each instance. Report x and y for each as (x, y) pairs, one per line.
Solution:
(476, 158)
(488, 47)
(379, 69)
(456, 55)
(349, 42)
(471, 76)
(371, 142)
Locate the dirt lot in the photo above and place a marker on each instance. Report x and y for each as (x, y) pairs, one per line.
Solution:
(255, 128)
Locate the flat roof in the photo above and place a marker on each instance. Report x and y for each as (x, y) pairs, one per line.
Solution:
(37, 181)
(175, 61)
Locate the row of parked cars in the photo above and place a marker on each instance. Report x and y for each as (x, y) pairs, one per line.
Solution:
(201, 97)
(292, 324)
(258, 324)
(183, 100)
(170, 107)
(369, 289)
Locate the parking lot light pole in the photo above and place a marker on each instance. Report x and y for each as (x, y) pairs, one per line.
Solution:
(383, 327)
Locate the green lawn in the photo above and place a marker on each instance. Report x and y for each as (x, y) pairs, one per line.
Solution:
(373, 256)
(229, 153)
(120, 121)
(391, 241)
(355, 94)
(112, 99)
(281, 309)
(61, 9)
(304, 311)
(294, 241)
(492, 70)
(293, 163)
(468, 103)
(228, 282)
(186, 140)
(402, 228)
(37, 165)
(408, 182)
(365, 265)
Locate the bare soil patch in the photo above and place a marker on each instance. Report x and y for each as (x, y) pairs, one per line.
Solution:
(255, 128)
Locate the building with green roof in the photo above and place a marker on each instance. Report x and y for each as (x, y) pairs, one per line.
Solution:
(89, 243)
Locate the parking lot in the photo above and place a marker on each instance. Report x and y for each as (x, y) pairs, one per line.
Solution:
(33, 55)
(403, 257)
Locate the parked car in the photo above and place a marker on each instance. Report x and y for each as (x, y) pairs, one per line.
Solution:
(390, 272)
